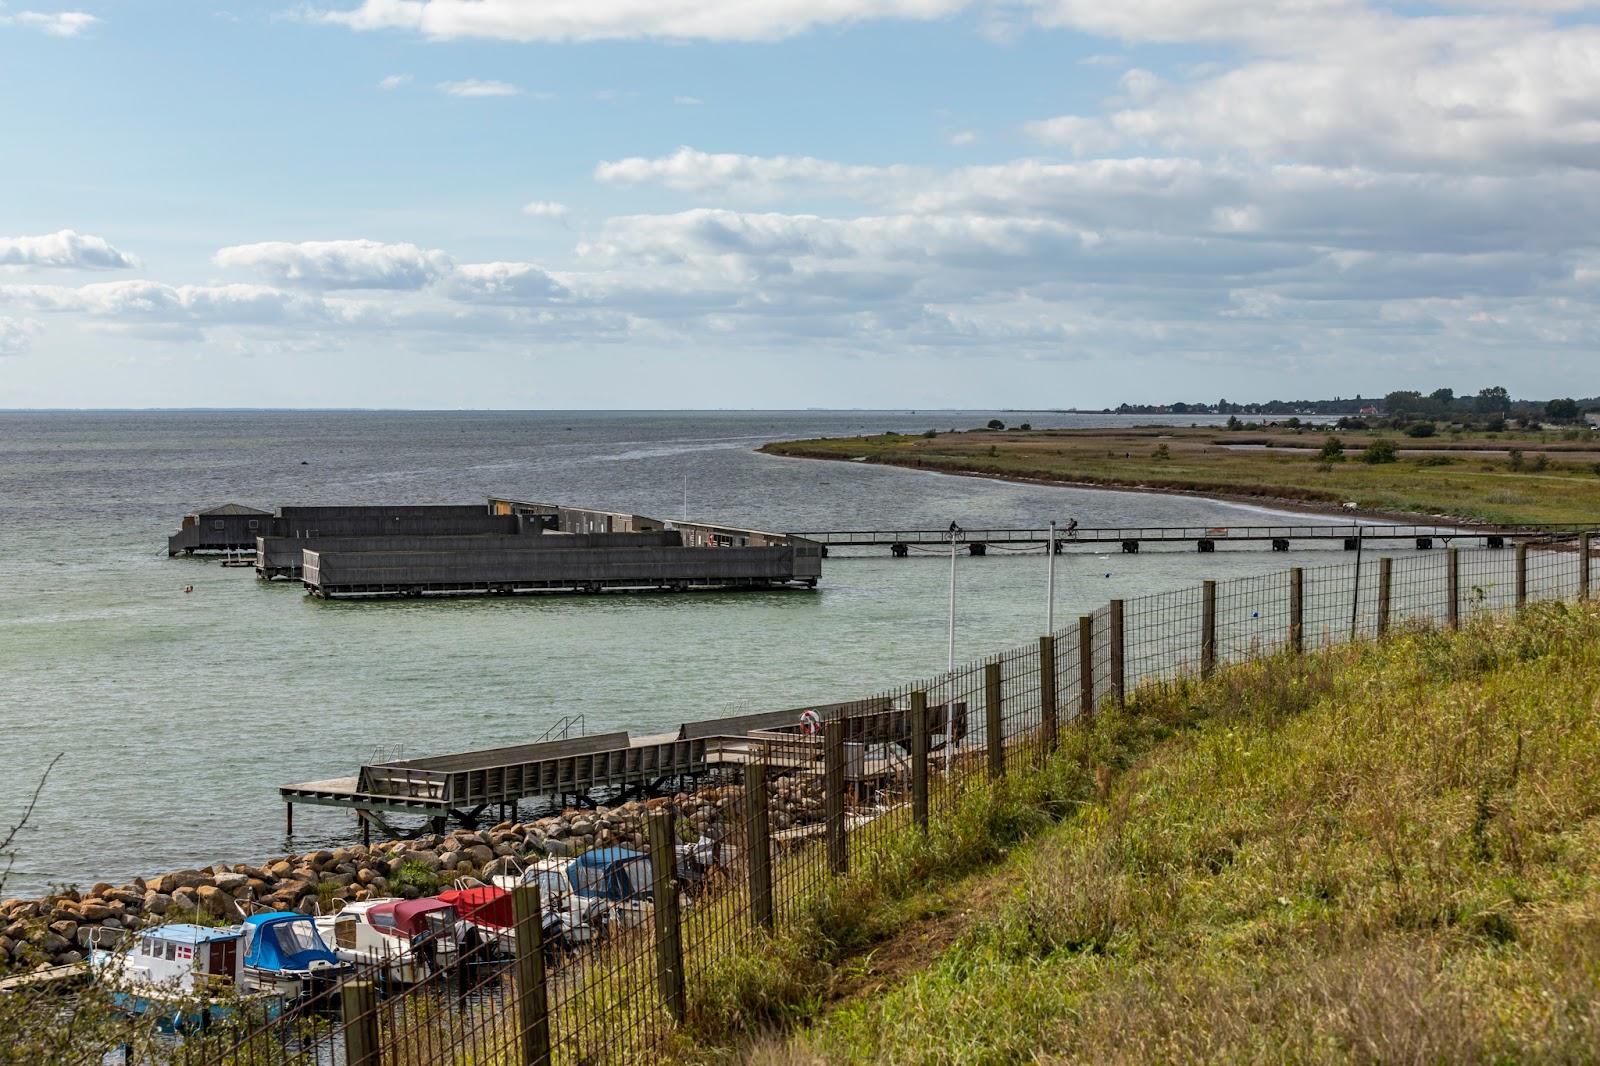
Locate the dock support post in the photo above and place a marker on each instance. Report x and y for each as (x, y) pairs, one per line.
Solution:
(1522, 574)
(1119, 659)
(1452, 585)
(1208, 629)
(1385, 592)
(1048, 703)
(288, 819)
(533, 1003)
(1583, 566)
(1086, 665)
(919, 760)
(358, 1007)
(1297, 609)
(366, 829)
(669, 930)
(833, 794)
(758, 843)
(992, 720)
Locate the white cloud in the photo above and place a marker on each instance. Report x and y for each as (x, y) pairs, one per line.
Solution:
(963, 138)
(65, 248)
(590, 20)
(394, 81)
(155, 301)
(472, 88)
(54, 23)
(691, 170)
(545, 209)
(15, 335)
(687, 101)
(348, 264)
(522, 284)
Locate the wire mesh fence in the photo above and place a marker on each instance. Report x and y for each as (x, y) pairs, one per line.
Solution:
(606, 970)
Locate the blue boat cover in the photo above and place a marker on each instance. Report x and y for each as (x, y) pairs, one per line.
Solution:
(284, 941)
(611, 873)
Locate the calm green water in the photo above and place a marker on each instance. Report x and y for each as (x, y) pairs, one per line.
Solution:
(180, 714)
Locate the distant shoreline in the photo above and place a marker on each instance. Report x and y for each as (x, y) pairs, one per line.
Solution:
(1281, 503)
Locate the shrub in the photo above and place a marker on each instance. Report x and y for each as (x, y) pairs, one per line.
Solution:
(1541, 462)
(930, 434)
(1420, 429)
(1026, 427)
(414, 873)
(1435, 460)
(1332, 451)
(1381, 450)
(995, 423)
(1162, 452)
(1514, 458)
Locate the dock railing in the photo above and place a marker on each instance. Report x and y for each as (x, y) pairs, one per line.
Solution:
(794, 828)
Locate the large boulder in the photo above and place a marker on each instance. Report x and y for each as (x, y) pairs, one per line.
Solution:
(230, 882)
(157, 902)
(213, 900)
(94, 910)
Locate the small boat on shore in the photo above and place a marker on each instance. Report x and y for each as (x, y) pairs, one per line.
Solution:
(369, 933)
(284, 954)
(184, 976)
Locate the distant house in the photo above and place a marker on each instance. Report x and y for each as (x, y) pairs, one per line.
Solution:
(1370, 409)
(1593, 418)
(225, 528)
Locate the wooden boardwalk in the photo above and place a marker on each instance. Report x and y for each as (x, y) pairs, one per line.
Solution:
(462, 786)
(1205, 538)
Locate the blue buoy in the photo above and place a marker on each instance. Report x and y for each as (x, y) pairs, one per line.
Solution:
(1255, 614)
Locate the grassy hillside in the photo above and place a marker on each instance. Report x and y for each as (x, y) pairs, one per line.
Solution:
(1378, 854)
(1549, 479)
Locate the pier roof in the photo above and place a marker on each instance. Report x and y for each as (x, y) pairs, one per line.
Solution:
(231, 509)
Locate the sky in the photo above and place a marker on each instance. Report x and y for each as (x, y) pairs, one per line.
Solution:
(794, 203)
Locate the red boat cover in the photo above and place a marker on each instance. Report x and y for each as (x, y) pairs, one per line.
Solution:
(487, 905)
(410, 915)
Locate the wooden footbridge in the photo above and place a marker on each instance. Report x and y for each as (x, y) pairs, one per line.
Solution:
(463, 786)
(900, 542)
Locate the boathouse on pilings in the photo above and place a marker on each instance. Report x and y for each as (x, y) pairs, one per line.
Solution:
(230, 527)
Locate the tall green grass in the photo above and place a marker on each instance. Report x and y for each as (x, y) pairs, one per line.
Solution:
(1381, 853)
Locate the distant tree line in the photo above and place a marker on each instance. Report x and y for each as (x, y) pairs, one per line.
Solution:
(1486, 406)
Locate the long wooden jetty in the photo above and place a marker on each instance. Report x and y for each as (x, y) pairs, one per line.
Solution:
(462, 786)
(1130, 538)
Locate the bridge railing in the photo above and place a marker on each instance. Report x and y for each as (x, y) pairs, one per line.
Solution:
(831, 807)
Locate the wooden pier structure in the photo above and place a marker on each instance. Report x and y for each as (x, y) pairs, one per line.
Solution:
(462, 786)
(1130, 538)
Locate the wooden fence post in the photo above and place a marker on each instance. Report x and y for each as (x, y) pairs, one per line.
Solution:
(758, 842)
(669, 929)
(1119, 661)
(833, 793)
(1086, 665)
(1047, 694)
(1452, 585)
(991, 710)
(919, 760)
(1385, 592)
(1522, 574)
(1297, 610)
(358, 1008)
(533, 1003)
(1583, 566)
(1208, 628)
